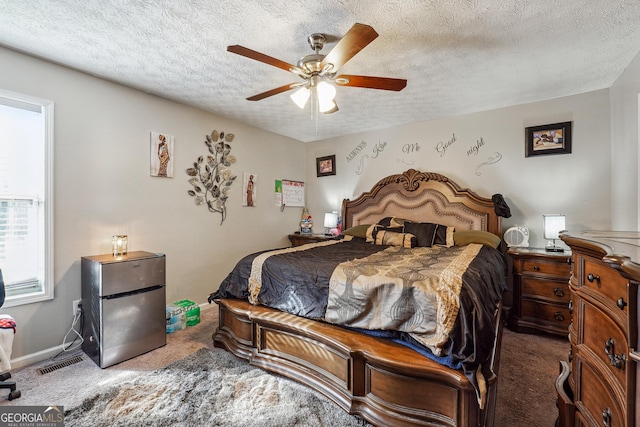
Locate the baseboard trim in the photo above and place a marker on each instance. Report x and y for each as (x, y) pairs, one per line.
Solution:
(36, 357)
(48, 353)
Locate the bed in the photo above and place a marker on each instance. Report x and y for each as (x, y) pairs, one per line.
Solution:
(401, 373)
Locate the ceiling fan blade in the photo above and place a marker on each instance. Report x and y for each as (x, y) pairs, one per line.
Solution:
(275, 91)
(370, 82)
(356, 39)
(252, 54)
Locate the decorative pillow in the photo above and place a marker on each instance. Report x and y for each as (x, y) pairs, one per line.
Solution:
(397, 222)
(386, 221)
(449, 240)
(429, 234)
(466, 237)
(376, 228)
(393, 238)
(357, 231)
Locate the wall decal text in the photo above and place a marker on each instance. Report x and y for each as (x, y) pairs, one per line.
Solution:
(474, 149)
(411, 148)
(356, 151)
(378, 148)
(441, 147)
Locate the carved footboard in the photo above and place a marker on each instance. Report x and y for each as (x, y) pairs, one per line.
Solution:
(383, 382)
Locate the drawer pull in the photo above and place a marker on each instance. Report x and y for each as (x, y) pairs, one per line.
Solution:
(621, 303)
(571, 307)
(616, 360)
(592, 278)
(558, 292)
(558, 316)
(536, 268)
(606, 417)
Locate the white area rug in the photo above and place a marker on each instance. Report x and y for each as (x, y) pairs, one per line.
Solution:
(213, 388)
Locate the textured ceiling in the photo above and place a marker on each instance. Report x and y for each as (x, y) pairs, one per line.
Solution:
(459, 56)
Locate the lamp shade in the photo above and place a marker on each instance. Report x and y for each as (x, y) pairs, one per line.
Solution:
(330, 220)
(553, 225)
(326, 94)
(301, 96)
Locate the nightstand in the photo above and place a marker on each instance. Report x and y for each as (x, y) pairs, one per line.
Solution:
(303, 239)
(540, 291)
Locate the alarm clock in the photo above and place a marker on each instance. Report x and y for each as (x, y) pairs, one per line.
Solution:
(517, 237)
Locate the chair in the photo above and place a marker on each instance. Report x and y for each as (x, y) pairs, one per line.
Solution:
(7, 329)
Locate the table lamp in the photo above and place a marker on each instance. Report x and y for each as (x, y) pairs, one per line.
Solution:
(553, 224)
(330, 222)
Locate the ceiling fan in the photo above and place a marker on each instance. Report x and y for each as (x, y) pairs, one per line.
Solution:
(318, 70)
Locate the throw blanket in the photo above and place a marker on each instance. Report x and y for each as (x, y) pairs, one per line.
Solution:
(415, 291)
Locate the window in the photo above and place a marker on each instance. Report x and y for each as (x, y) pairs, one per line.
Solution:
(26, 195)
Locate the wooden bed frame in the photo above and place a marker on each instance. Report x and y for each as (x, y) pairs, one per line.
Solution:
(385, 383)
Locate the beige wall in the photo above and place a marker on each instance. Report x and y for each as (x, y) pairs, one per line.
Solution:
(625, 200)
(576, 184)
(103, 187)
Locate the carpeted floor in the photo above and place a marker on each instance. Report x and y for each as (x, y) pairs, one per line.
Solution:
(529, 365)
(526, 393)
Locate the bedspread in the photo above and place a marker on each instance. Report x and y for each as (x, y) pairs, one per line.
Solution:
(415, 291)
(332, 281)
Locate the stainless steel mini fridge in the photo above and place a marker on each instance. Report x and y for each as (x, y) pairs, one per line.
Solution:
(123, 305)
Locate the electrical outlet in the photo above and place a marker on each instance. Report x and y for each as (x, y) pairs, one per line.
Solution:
(76, 303)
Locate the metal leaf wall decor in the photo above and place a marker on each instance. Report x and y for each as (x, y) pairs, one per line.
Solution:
(211, 177)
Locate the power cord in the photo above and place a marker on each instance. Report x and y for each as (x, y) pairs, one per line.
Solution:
(77, 334)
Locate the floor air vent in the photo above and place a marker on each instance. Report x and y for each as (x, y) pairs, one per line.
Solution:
(58, 365)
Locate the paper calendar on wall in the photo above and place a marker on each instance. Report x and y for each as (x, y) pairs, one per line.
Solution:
(292, 193)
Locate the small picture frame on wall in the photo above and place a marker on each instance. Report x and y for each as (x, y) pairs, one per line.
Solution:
(161, 155)
(548, 139)
(326, 165)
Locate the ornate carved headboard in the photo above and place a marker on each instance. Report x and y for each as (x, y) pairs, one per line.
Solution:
(423, 197)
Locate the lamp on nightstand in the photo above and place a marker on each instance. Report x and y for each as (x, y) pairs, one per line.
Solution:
(330, 222)
(553, 224)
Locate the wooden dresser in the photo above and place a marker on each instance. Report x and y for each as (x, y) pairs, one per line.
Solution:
(540, 291)
(599, 384)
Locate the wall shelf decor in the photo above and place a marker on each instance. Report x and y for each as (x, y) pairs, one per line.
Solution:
(211, 177)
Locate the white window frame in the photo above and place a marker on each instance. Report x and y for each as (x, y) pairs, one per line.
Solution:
(46, 108)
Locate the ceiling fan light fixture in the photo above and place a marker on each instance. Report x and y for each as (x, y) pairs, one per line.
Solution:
(301, 96)
(326, 105)
(326, 93)
(333, 109)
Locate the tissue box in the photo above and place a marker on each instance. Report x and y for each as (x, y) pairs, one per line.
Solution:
(191, 311)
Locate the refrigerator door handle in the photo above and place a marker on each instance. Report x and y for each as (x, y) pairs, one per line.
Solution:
(138, 291)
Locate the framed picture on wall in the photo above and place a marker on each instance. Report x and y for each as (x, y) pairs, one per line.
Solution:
(326, 165)
(250, 187)
(548, 139)
(161, 155)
